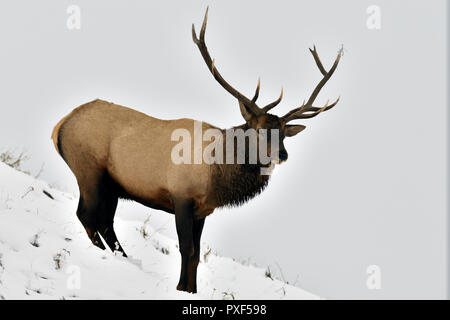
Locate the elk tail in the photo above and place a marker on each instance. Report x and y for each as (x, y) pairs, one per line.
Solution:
(56, 134)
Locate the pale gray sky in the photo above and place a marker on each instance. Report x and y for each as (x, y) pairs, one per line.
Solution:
(365, 183)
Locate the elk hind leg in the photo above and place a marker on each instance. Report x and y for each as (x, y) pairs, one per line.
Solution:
(86, 215)
(107, 191)
(105, 225)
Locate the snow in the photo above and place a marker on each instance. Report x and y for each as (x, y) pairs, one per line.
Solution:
(46, 254)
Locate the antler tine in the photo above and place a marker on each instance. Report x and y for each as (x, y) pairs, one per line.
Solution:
(305, 112)
(326, 75)
(300, 111)
(273, 104)
(317, 59)
(255, 97)
(308, 110)
(203, 29)
(213, 69)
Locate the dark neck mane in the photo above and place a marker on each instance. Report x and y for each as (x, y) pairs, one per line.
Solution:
(235, 184)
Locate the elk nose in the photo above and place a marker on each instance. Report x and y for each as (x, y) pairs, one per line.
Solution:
(283, 155)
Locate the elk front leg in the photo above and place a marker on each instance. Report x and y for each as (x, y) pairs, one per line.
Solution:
(184, 217)
(195, 258)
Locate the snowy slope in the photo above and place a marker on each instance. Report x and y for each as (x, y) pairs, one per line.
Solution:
(46, 254)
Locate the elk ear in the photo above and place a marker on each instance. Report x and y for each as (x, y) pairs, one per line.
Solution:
(292, 130)
(245, 112)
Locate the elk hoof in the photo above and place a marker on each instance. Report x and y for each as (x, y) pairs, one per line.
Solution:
(181, 287)
(192, 290)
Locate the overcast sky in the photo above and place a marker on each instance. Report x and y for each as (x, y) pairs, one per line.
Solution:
(364, 184)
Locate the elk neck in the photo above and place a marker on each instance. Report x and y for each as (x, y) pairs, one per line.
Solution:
(234, 184)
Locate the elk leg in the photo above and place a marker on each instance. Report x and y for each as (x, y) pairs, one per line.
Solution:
(105, 223)
(86, 215)
(184, 223)
(195, 258)
(110, 237)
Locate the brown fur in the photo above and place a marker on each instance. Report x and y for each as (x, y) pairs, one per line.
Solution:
(134, 150)
(55, 132)
(116, 152)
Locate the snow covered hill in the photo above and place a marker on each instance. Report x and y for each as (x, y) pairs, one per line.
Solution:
(45, 254)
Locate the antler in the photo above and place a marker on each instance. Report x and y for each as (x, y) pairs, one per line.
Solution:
(273, 104)
(250, 104)
(308, 110)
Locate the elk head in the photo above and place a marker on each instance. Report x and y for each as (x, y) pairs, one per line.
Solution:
(260, 118)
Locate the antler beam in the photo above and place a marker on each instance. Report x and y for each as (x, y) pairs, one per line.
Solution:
(200, 42)
(306, 110)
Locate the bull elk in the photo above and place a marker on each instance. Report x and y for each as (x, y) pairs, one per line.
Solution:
(116, 152)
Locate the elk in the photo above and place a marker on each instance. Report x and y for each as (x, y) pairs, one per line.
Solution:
(119, 153)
